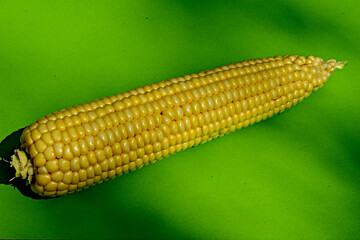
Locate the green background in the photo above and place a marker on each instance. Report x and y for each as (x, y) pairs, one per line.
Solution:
(295, 176)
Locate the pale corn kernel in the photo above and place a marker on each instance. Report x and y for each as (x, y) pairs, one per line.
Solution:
(139, 141)
(111, 162)
(108, 122)
(116, 148)
(42, 170)
(42, 128)
(72, 133)
(80, 131)
(111, 174)
(67, 152)
(98, 144)
(52, 166)
(104, 166)
(108, 152)
(43, 179)
(104, 175)
(81, 185)
(72, 187)
(65, 137)
(125, 158)
(119, 171)
(140, 152)
(57, 176)
(84, 163)
(92, 158)
(75, 164)
(51, 186)
(47, 139)
(82, 147)
(82, 175)
(63, 187)
(39, 160)
(64, 165)
(100, 155)
(110, 137)
(132, 156)
(28, 139)
(97, 169)
(75, 178)
(84, 118)
(116, 133)
(40, 146)
(58, 149)
(51, 125)
(90, 172)
(75, 148)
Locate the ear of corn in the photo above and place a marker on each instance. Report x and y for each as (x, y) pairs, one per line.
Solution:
(87, 144)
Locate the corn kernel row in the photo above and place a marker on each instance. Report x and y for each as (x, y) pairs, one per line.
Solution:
(180, 99)
(152, 147)
(72, 175)
(245, 67)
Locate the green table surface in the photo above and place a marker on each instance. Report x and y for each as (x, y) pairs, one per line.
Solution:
(294, 176)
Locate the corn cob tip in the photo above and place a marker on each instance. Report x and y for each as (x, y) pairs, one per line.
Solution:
(336, 64)
(22, 164)
(340, 64)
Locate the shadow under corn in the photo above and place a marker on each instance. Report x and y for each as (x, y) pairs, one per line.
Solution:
(7, 147)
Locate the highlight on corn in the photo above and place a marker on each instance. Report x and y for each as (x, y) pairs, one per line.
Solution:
(84, 145)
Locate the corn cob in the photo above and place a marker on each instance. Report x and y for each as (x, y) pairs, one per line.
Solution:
(84, 145)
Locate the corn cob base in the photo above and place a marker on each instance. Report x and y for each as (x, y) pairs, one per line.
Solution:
(84, 145)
